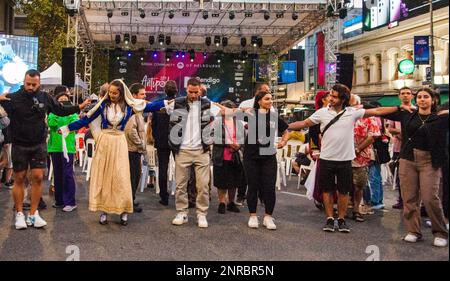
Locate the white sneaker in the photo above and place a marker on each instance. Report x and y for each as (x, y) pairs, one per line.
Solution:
(428, 223)
(253, 222)
(180, 219)
(440, 242)
(202, 222)
(36, 220)
(69, 208)
(268, 223)
(411, 238)
(20, 221)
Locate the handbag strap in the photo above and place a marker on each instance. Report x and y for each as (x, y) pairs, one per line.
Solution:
(334, 120)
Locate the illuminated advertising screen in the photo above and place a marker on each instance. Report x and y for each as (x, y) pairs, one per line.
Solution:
(17, 55)
(379, 13)
(225, 77)
(353, 23)
(288, 73)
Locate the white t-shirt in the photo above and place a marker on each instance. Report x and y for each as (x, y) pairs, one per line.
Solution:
(192, 137)
(338, 142)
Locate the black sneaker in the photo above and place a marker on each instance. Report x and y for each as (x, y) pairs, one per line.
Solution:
(233, 208)
(57, 206)
(221, 209)
(137, 209)
(329, 225)
(342, 226)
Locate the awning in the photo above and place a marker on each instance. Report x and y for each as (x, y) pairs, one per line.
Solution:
(389, 101)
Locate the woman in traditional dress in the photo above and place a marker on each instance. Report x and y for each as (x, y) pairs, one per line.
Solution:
(110, 186)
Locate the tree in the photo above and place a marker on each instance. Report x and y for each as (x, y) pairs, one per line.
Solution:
(47, 20)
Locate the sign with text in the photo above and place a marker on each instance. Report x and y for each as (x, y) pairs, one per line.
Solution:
(421, 50)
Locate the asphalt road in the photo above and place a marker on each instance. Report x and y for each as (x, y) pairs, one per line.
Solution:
(151, 236)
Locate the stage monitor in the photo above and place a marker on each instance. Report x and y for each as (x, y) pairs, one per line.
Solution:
(17, 55)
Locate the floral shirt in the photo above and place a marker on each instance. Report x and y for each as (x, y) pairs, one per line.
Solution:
(364, 128)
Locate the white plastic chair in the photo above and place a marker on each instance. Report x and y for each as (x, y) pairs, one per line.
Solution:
(281, 168)
(304, 168)
(90, 150)
(79, 138)
(290, 149)
(153, 166)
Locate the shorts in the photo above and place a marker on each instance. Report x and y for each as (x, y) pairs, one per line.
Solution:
(360, 176)
(335, 175)
(33, 157)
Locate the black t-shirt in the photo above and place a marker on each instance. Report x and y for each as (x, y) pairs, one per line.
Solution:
(428, 138)
(264, 147)
(419, 132)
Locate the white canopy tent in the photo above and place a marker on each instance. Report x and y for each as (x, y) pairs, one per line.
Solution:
(52, 77)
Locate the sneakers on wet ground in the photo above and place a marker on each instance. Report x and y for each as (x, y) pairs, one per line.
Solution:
(180, 219)
(269, 223)
(253, 222)
(201, 221)
(232, 207)
(342, 226)
(20, 221)
(36, 220)
(69, 208)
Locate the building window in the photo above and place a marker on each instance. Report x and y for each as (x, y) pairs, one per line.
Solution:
(366, 70)
(379, 68)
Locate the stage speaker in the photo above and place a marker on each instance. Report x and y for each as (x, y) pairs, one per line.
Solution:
(344, 69)
(68, 67)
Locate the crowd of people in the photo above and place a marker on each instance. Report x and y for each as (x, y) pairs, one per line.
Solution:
(348, 139)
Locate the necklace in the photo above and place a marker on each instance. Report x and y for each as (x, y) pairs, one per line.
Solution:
(424, 120)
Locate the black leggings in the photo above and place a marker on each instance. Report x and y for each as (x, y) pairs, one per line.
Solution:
(261, 178)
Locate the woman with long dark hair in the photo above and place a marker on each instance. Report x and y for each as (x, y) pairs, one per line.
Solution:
(421, 158)
(110, 186)
(260, 161)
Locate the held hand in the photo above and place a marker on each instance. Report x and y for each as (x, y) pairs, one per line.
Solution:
(281, 144)
(3, 97)
(87, 102)
(235, 146)
(59, 131)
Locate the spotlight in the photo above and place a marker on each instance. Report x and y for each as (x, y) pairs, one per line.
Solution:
(155, 54)
(280, 15)
(168, 55)
(191, 55)
(142, 13)
(330, 11)
(224, 41)
(205, 15)
(151, 39)
(243, 41)
(205, 55)
(208, 41)
(266, 15)
(133, 39)
(161, 39)
(231, 15)
(142, 59)
(217, 40)
(218, 56)
(177, 54)
(215, 15)
(129, 54)
(109, 13)
(168, 40)
(343, 13)
(155, 14)
(185, 14)
(183, 54)
(248, 14)
(171, 14)
(294, 16)
(259, 42)
(126, 38)
(118, 39)
(254, 41)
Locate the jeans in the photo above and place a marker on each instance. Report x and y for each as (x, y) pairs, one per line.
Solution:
(375, 183)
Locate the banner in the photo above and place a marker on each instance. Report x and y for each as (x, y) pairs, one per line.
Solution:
(228, 79)
(421, 50)
(320, 40)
